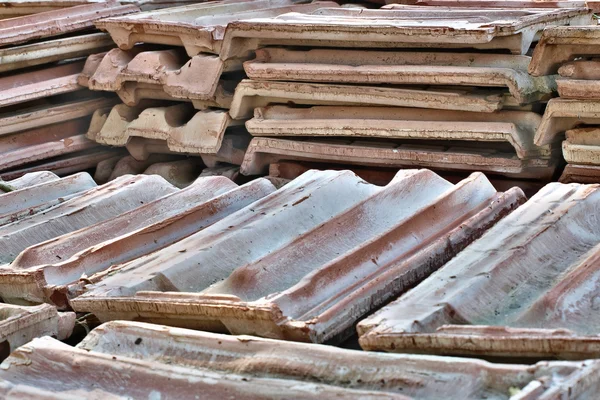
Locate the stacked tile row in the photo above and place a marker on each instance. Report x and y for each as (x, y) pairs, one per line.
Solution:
(176, 91)
(44, 112)
(574, 118)
(396, 87)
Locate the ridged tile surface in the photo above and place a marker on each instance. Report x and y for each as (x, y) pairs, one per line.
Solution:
(527, 288)
(252, 272)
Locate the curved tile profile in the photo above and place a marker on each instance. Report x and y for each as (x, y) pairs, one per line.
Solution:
(526, 288)
(20, 324)
(264, 151)
(582, 146)
(406, 27)
(199, 27)
(564, 114)
(38, 197)
(184, 129)
(49, 271)
(248, 367)
(251, 94)
(95, 205)
(560, 44)
(170, 70)
(515, 127)
(252, 272)
(402, 68)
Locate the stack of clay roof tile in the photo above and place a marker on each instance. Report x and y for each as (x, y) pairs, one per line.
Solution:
(144, 361)
(44, 112)
(574, 118)
(222, 257)
(402, 86)
(175, 89)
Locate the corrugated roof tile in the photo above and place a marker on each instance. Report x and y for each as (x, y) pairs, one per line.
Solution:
(251, 272)
(515, 127)
(250, 94)
(96, 205)
(199, 27)
(433, 27)
(380, 153)
(47, 271)
(178, 363)
(184, 129)
(36, 198)
(401, 68)
(526, 288)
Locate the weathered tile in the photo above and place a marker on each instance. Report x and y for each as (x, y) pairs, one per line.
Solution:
(243, 367)
(580, 174)
(20, 324)
(582, 146)
(171, 71)
(413, 27)
(33, 199)
(94, 206)
(29, 55)
(251, 94)
(564, 114)
(581, 69)
(58, 22)
(42, 143)
(199, 27)
(561, 44)
(47, 114)
(27, 180)
(184, 129)
(515, 127)
(49, 271)
(402, 68)
(39, 84)
(250, 273)
(264, 151)
(66, 164)
(578, 88)
(526, 288)
(283, 172)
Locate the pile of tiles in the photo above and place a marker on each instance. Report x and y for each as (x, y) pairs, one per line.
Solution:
(44, 113)
(402, 86)
(162, 235)
(176, 91)
(143, 361)
(312, 261)
(574, 118)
